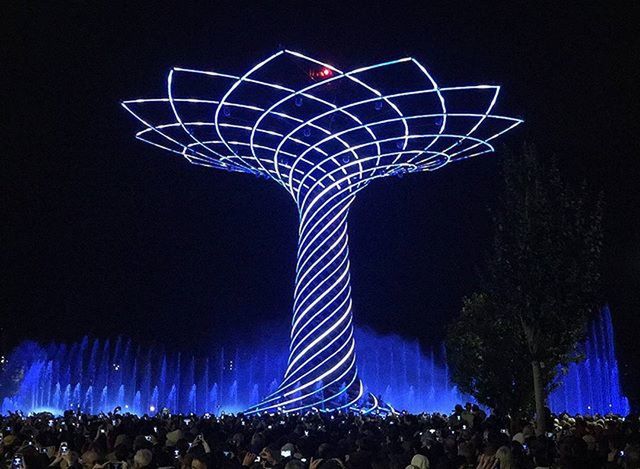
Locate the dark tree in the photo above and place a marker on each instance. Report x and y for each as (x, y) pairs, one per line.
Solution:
(540, 287)
(485, 353)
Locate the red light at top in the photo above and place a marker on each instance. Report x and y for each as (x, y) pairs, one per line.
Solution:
(322, 73)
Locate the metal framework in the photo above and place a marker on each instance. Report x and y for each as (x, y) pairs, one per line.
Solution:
(323, 134)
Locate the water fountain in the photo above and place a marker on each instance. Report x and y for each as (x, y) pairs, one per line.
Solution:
(593, 384)
(96, 375)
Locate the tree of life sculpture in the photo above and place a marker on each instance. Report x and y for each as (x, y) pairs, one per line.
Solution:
(323, 134)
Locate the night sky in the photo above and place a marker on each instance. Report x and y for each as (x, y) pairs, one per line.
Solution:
(103, 235)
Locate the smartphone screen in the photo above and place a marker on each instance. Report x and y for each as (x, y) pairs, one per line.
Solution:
(285, 453)
(17, 462)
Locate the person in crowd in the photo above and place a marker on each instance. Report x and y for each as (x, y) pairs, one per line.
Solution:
(505, 458)
(419, 461)
(467, 438)
(142, 459)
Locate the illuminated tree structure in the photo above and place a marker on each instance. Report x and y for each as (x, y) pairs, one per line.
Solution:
(323, 134)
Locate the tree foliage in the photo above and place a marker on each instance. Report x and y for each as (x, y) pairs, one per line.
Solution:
(484, 352)
(539, 288)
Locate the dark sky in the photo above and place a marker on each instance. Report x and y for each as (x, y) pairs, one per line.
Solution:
(103, 234)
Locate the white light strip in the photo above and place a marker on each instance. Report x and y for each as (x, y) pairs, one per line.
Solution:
(294, 374)
(324, 375)
(294, 377)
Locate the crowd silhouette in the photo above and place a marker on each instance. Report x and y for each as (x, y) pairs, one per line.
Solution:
(467, 438)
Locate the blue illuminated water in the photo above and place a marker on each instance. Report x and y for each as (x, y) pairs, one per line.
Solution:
(593, 385)
(96, 375)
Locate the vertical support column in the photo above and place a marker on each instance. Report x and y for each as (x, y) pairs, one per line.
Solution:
(321, 370)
